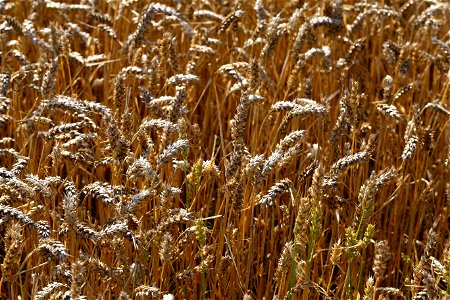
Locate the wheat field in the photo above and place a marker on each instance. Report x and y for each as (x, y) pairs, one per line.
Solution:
(225, 149)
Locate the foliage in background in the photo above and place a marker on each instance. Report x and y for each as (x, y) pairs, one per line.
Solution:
(225, 149)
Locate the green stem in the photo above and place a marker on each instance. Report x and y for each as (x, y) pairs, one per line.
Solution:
(203, 282)
(292, 275)
(350, 284)
(348, 281)
(22, 292)
(361, 268)
(331, 278)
